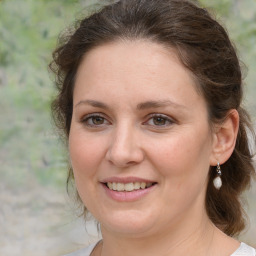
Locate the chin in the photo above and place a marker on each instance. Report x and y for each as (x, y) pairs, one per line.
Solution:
(131, 222)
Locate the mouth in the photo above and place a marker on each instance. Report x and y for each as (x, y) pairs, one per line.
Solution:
(128, 187)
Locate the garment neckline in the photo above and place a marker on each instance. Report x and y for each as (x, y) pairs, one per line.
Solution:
(242, 248)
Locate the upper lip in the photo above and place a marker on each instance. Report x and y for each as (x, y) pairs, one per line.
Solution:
(126, 180)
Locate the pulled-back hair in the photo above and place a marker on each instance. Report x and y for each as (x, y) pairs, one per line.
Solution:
(204, 48)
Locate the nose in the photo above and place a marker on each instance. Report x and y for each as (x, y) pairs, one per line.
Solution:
(124, 149)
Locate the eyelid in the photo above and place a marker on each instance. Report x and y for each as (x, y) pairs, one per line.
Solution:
(167, 118)
(88, 116)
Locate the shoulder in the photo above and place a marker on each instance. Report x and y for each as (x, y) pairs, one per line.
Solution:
(244, 250)
(83, 252)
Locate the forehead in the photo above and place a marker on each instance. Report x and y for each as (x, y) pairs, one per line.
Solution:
(134, 68)
(130, 53)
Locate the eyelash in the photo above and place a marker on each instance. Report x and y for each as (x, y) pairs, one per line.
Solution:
(165, 118)
(90, 117)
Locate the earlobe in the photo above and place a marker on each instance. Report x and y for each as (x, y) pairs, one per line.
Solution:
(224, 139)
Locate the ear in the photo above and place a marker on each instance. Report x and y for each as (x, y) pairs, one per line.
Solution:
(224, 138)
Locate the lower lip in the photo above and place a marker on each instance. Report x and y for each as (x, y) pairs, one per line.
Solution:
(124, 196)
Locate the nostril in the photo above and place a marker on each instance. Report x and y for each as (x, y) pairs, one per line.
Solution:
(124, 151)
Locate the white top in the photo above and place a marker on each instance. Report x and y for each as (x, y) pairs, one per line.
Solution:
(243, 250)
(83, 252)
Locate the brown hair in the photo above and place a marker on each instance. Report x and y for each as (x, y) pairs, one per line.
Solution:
(203, 47)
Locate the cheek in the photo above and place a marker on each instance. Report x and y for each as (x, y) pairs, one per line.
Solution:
(85, 154)
(182, 155)
(183, 164)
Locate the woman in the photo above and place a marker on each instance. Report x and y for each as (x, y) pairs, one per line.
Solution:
(150, 102)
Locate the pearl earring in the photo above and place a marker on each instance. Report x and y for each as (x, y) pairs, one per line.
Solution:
(217, 180)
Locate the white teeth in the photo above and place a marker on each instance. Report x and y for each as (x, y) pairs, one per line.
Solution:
(128, 186)
(143, 185)
(136, 185)
(120, 187)
(110, 185)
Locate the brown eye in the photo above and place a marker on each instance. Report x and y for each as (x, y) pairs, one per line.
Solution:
(97, 120)
(159, 121)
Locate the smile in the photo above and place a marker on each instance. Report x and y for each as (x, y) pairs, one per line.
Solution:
(117, 186)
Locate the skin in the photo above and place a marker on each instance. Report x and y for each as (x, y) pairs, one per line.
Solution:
(175, 150)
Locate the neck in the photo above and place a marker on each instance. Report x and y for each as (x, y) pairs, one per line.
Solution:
(182, 238)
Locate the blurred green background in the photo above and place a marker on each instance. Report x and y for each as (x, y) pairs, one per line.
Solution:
(36, 217)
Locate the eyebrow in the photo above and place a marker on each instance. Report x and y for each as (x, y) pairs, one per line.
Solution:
(158, 104)
(93, 103)
(140, 106)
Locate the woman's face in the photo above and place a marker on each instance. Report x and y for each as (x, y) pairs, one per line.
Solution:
(140, 143)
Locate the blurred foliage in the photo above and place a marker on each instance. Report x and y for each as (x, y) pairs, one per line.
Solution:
(30, 152)
(239, 17)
